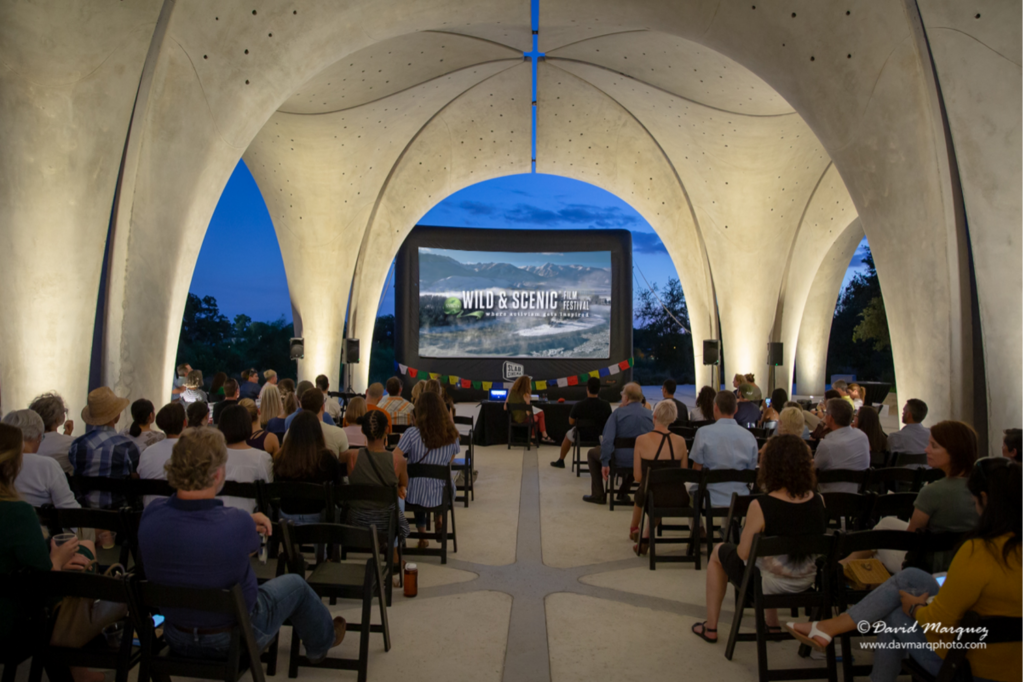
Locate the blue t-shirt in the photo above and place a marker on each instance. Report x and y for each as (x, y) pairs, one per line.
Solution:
(249, 389)
(199, 543)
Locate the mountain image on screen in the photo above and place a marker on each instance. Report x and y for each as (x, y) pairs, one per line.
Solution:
(553, 305)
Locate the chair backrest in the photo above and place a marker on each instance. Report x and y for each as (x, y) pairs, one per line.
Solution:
(124, 487)
(383, 495)
(927, 476)
(853, 508)
(729, 475)
(759, 432)
(699, 424)
(331, 534)
(878, 479)
(101, 519)
(441, 472)
(625, 443)
(400, 428)
(271, 494)
(79, 584)
(464, 421)
(250, 491)
(894, 504)
(392, 439)
(152, 486)
(904, 459)
(765, 545)
(864, 540)
(587, 431)
(466, 439)
(686, 431)
(665, 478)
(857, 476)
(737, 512)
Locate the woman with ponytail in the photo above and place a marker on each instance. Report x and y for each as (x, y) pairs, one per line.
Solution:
(373, 465)
(141, 429)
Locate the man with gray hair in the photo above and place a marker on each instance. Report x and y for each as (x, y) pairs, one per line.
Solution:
(843, 447)
(724, 445)
(192, 540)
(630, 420)
(51, 407)
(41, 480)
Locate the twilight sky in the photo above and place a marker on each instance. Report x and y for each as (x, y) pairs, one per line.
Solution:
(240, 262)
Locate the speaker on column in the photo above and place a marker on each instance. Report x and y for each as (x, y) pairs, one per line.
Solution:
(775, 353)
(351, 351)
(711, 351)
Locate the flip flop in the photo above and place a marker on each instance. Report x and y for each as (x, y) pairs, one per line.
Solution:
(808, 639)
(704, 629)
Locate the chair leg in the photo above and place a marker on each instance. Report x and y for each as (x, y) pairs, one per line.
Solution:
(737, 620)
(364, 635)
(293, 656)
(455, 536)
(384, 623)
(272, 655)
(444, 539)
(762, 643)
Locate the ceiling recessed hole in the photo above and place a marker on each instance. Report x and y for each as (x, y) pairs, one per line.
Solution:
(205, 57)
(254, 12)
(847, 12)
(246, 82)
(247, 51)
(812, 59)
(849, 56)
(794, 15)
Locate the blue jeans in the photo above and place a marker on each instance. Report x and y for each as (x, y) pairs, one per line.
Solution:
(283, 598)
(883, 604)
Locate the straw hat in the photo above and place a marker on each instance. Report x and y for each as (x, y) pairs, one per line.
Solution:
(102, 407)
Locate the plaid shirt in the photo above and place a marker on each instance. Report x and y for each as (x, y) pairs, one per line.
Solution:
(102, 451)
(399, 408)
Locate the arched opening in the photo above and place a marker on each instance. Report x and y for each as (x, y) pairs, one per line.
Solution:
(238, 314)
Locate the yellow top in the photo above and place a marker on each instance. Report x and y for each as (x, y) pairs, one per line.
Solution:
(979, 581)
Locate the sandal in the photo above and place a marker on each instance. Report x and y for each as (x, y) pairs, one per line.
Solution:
(634, 533)
(808, 639)
(640, 549)
(704, 629)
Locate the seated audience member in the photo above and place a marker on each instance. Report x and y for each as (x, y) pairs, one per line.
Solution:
(172, 421)
(657, 445)
(985, 577)
(334, 436)
(417, 391)
(198, 414)
(22, 546)
(250, 387)
(374, 394)
(192, 539)
(141, 429)
(913, 437)
(630, 420)
(305, 458)
(668, 392)
(789, 508)
(232, 395)
(844, 391)
(331, 405)
(102, 451)
(217, 393)
(943, 506)
(856, 393)
(811, 421)
(831, 393)
(180, 378)
(261, 439)
(244, 464)
(434, 386)
(286, 386)
(395, 405)
(353, 422)
(194, 388)
(1012, 444)
(772, 408)
(299, 392)
(433, 440)
(705, 409)
(724, 445)
(41, 480)
(866, 419)
(747, 411)
(51, 407)
(737, 381)
(519, 395)
(591, 408)
(272, 414)
(373, 465)
(270, 377)
(844, 447)
(790, 423)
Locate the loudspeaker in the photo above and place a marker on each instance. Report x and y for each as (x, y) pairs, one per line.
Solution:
(351, 351)
(711, 351)
(775, 353)
(296, 348)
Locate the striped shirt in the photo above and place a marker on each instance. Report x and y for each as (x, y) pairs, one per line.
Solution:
(102, 451)
(426, 492)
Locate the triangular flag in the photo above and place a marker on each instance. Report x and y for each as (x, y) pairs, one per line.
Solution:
(562, 383)
(486, 385)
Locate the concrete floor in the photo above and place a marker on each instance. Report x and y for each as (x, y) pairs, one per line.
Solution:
(545, 587)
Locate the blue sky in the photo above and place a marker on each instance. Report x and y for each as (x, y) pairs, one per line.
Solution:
(240, 262)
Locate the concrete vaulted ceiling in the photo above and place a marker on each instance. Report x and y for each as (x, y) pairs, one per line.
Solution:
(760, 141)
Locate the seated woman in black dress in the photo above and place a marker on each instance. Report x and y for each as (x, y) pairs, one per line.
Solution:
(789, 508)
(661, 446)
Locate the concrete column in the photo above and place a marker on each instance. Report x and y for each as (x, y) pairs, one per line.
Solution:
(811, 347)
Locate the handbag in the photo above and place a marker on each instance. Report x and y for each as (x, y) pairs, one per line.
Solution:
(80, 620)
(865, 574)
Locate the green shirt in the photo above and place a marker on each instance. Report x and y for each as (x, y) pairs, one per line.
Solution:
(21, 546)
(948, 504)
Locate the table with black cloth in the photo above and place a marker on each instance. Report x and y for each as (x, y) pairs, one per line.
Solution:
(491, 426)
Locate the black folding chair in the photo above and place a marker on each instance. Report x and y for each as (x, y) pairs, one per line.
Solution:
(271, 495)
(881, 481)
(620, 473)
(586, 434)
(663, 484)
(925, 476)
(847, 511)
(710, 476)
(50, 586)
(402, 428)
(124, 523)
(955, 666)
(439, 472)
(817, 600)
(465, 464)
(855, 476)
(380, 496)
(900, 505)
(249, 491)
(733, 528)
(152, 487)
(342, 580)
(910, 459)
(525, 413)
(391, 440)
(123, 491)
(159, 662)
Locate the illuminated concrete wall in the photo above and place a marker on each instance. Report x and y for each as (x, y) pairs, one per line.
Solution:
(750, 136)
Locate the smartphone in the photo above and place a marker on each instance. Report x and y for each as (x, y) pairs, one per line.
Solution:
(768, 402)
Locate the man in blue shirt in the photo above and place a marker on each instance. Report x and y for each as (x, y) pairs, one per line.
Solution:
(250, 387)
(102, 451)
(299, 391)
(192, 540)
(630, 420)
(724, 445)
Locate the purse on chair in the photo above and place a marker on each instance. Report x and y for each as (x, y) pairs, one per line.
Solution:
(80, 620)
